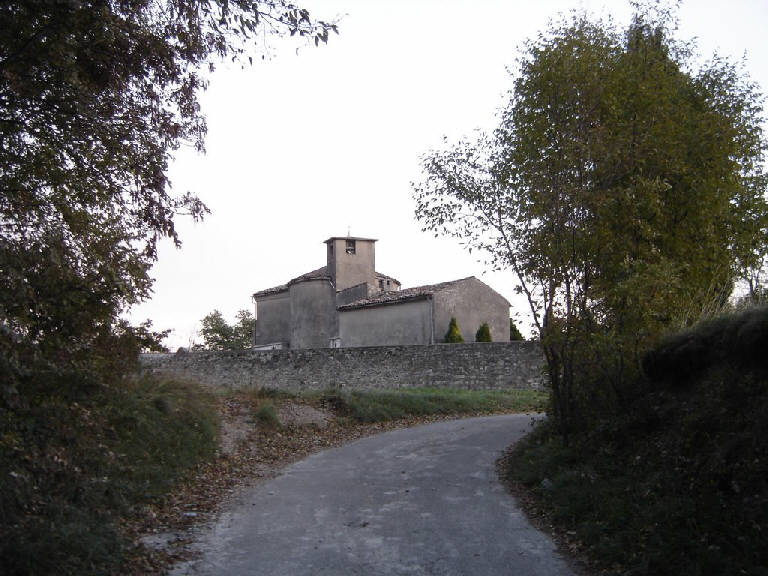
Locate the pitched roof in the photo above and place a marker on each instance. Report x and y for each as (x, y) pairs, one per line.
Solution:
(319, 274)
(398, 296)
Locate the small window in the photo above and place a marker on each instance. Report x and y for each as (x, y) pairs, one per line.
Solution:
(330, 249)
(350, 246)
(381, 284)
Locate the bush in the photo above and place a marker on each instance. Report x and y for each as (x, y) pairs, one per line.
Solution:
(266, 415)
(453, 336)
(514, 333)
(676, 485)
(79, 454)
(737, 339)
(483, 333)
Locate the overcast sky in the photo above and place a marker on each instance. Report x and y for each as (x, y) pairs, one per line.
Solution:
(324, 141)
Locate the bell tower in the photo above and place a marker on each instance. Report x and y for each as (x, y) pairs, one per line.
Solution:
(351, 261)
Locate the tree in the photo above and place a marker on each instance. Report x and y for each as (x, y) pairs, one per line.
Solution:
(95, 96)
(514, 333)
(217, 334)
(625, 191)
(483, 333)
(453, 336)
(242, 330)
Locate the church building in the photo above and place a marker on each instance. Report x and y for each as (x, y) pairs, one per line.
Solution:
(348, 303)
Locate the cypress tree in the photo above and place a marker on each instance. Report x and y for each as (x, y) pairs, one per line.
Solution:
(514, 333)
(453, 336)
(483, 333)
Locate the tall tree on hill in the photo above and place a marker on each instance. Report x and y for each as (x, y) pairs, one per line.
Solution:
(625, 190)
(95, 96)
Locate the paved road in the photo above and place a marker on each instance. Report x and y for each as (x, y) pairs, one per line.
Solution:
(411, 502)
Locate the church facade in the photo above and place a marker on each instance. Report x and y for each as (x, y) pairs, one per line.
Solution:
(347, 303)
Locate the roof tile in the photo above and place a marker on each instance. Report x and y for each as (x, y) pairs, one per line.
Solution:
(392, 297)
(320, 273)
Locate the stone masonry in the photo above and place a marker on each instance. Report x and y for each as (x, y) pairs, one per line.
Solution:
(493, 365)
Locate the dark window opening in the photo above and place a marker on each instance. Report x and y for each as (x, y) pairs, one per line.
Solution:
(350, 246)
(330, 249)
(381, 284)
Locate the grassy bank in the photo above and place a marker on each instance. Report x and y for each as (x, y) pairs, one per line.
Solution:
(678, 485)
(369, 406)
(77, 456)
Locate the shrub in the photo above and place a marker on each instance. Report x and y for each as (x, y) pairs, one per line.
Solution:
(80, 454)
(691, 457)
(738, 339)
(483, 333)
(453, 336)
(514, 333)
(266, 415)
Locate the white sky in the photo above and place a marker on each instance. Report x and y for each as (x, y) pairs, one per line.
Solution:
(308, 145)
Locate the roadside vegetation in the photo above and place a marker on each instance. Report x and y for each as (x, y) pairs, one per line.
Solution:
(80, 457)
(369, 406)
(679, 483)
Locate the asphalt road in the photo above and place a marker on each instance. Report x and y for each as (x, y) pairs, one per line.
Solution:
(417, 501)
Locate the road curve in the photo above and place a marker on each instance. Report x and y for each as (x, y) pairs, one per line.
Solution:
(414, 502)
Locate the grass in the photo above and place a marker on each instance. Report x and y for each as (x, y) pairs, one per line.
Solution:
(679, 485)
(77, 456)
(266, 414)
(158, 430)
(369, 406)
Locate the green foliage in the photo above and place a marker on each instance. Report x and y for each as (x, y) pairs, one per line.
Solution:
(217, 334)
(677, 485)
(453, 336)
(266, 414)
(242, 330)
(514, 333)
(385, 405)
(483, 333)
(78, 454)
(94, 99)
(740, 339)
(624, 190)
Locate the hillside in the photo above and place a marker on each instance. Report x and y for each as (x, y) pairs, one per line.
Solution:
(679, 484)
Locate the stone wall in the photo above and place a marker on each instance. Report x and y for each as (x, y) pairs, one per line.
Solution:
(478, 365)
